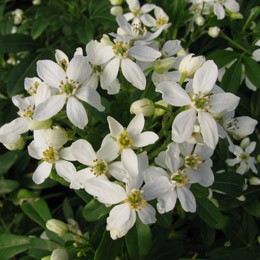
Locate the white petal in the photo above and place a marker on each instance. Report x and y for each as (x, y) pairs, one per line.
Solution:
(110, 72)
(147, 214)
(133, 73)
(256, 55)
(35, 150)
(243, 168)
(171, 47)
(223, 102)
(117, 170)
(67, 154)
(42, 172)
(183, 125)
(49, 108)
(115, 127)
(105, 191)
(130, 163)
(187, 199)
(204, 151)
(79, 69)
(122, 22)
(245, 126)
(76, 113)
(103, 55)
(232, 5)
(90, 96)
(205, 77)
(42, 94)
(159, 13)
(144, 139)
(66, 170)
(50, 72)
(232, 162)
(167, 202)
(146, 8)
(250, 148)
(219, 11)
(144, 53)
(83, 152)
(136, 125)
(108, 151)
(209, 129)
(148, 20)
(173, 93)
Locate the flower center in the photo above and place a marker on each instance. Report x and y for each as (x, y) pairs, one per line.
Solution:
(201, 102)
(99, 167)
(68, 86)
(137, 29)
(230, 124)
(50, 155)
(28, 112)
(136, 199)
(180, 178)
(33, 89)
(136, 12)
(96, 70)
(124, 140)
(121, 48)
(244, 156)
(161, 21)
(193, 161)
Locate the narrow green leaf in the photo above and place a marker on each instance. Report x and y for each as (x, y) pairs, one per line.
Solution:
(16, 43)
(138, 240)
(39, 27)
(67, 209)
(232, 77)
(95, 210)
(223, 57)
(252, 70)
(85, 31)
(7, 160)
(253, 208)
(230, 183)
(7, 186)
(164, 220)
(108, 249)
(38, 211)
(207, 234)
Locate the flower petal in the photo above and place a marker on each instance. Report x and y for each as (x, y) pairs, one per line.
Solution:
(167, 202)
(183, 125)
(136, 125)
(42, 172)
(219, 11)
(187, 199)
(76, 113)
(144, 53)
(133, 73)
(66, 170)
(115, 127)
(147, 214)
(103, 55)
(144, 139)
(110, 72)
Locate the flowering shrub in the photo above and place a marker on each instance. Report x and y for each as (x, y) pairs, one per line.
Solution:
(133, 131)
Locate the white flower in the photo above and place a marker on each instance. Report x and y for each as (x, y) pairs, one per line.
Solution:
(161, 19)
(200, 103)
(120, 55)
(243, 158)
(130, 137)
(18, 16)
(213, 31)
(220, 5)
(131, 200)
(136, 11)
(46, 147)
(68, 86)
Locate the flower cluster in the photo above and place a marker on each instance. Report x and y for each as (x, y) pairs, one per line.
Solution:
(158, 158)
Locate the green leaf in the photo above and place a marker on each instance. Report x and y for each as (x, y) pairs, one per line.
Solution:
(223, 57)
(7, 160)
(253, 208)
(164, 220)
(7, 186)
(138, 240)
(67, 209)
(26, 68)
(252, 69)
(95, 210)
(16, 43)
(232, 77)
(39, 27)
(207, 234)
(83, 195)
(230, 183)
(37, 210)
(85, 31)
(108, 249)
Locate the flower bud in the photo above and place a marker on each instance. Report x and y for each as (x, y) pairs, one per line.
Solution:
(244, 143)
(199, 20)
(160, 111)
(116, 2)
(36, 2)
(18, 16)
(254, 181)
(18, 145)
(236, 16)
(144, 106)
(48, 257)
(115, 10)
(57, 226)
(105, 40)
(163, 65)
(58, 254)
(189, 65)
(241, 198)
(213, 31)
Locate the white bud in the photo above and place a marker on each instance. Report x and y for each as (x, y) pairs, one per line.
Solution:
(18, 16)
(144, 106)
(116, 2)
(18, 145)
(36, 2)
(189, 65)
(105, 40)
(163, 65)
(241, 198)
(199, 20)
(245, 143)
(115, 10)
(58, 254)
(213, 31)
(57, 226)
(254, 181)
